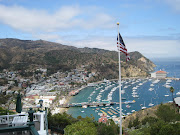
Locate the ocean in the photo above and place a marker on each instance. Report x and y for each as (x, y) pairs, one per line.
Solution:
(147, 91)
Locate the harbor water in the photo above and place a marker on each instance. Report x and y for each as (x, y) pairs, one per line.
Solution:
(137, 93)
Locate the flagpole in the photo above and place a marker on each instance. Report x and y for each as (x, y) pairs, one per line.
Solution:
(120, 104)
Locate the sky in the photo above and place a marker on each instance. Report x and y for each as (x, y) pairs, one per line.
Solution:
(148, 26)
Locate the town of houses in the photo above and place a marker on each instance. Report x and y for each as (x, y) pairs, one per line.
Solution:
(53, 89)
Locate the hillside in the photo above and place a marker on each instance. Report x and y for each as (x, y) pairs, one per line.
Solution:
(18, 54)
(150, 112)
(163, 119)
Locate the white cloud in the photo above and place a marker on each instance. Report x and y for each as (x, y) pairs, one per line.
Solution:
(65, 18)
(154, 47)
(151, 48)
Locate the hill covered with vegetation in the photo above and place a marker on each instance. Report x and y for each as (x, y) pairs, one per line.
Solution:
(16, 54)
(163, 119)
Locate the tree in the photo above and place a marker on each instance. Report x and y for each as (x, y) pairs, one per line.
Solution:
(81, 128)
(108, 129)
(130, 124)
(165, 113)
(136, 123)
(155, 128)
(150, 120)
(172, 90)
(60, 120)
(167, 130)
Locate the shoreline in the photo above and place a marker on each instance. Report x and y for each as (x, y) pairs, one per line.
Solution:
(62, 110)
(68, 98)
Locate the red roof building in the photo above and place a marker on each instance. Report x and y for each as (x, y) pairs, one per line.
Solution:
(103, 118)
(161, 74)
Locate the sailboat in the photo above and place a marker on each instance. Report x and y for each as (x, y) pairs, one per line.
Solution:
(143, 107)
(151, 104)
(167, 95)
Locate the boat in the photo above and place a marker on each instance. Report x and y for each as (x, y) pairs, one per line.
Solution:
(130, 102)
(152, 85)
(178, 93)
(134, 93)
(107, 104)
(84, 106)
(114, 116)
(143, 107)
(156, 81)
(122, 91)
(169, 81)
(166, 95)
(168, 86)
(134, 88)
(93, 106)
(151, 89)
(128, 106)
(133, 111)
(136, 96)
(82, 111)
(150, 104)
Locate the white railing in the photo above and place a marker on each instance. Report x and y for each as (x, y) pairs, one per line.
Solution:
(39, 116)
(7, 119)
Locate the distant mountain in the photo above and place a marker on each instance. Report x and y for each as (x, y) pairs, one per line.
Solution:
(19, 54)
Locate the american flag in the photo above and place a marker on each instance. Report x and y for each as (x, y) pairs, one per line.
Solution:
(122, 47)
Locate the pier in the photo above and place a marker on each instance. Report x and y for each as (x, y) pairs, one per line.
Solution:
(88, 104)
(94, 104)
(172, 78)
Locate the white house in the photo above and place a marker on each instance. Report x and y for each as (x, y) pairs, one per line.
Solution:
(159, 74)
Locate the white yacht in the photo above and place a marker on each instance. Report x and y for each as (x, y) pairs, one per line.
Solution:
(169, 81)
(156, 81)
(133, 93)
(136, 96)
(178, 93)
(133, 111)
(168, 86)
(143, 107)
(150, 104)
(151, 89)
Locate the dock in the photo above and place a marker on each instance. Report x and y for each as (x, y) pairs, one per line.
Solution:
(172, 78)
(88, 104)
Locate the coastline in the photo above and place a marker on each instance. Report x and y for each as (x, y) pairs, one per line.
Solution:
(62, 110)
(68, 98)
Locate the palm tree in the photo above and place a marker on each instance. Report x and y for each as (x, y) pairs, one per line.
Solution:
(172, 90)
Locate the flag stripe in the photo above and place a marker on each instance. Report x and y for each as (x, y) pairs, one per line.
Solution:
(122, 47)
